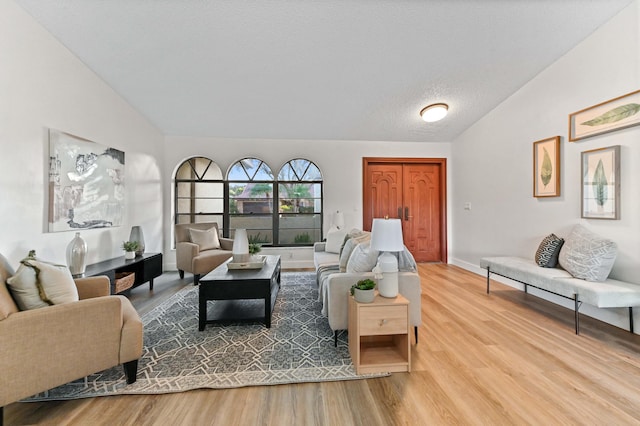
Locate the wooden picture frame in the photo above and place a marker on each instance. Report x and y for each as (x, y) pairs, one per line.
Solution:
(615, 114)
(546, 167)
(601, 183)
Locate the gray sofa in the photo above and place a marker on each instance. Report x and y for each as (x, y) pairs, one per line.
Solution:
(334, 286)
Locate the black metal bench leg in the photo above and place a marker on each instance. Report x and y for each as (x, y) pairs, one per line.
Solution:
(630, 319)
(488, 280)
(416, 332)
(577, 306)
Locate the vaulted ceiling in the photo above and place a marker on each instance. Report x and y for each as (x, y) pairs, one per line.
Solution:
(318, 69)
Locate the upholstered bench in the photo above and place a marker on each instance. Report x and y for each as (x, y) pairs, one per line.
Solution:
(595, 288)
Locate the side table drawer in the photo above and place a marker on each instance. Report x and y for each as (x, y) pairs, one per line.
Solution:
(376, 320)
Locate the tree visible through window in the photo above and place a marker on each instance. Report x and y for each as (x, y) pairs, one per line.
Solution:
(300, 203)
(286, 211)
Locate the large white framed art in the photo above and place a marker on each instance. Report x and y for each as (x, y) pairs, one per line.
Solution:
(86, 184)
(601, 183)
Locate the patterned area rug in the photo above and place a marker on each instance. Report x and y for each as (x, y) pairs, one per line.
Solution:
(177, 357)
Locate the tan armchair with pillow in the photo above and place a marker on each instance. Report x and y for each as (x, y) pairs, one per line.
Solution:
(200, 248)
(47, 347)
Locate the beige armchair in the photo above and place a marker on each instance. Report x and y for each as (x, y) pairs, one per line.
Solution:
(189, 256)
(48, 347)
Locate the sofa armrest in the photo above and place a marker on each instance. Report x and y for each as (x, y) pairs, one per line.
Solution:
(51, 346)
(339, 284)
(185, 252)
(90, 287)
(319, 246)
(338, 287)
(226, 243)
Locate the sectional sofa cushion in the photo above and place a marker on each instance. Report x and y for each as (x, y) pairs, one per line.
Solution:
(548, 251)
(206, 240)
(38, 284)
(587, 256)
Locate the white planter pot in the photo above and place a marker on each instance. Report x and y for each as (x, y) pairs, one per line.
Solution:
(129, 254)
(363, 296)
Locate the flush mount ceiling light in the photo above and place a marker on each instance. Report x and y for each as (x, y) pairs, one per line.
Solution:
(434, 112)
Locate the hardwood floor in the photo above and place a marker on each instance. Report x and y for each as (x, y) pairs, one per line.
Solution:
(505, 358)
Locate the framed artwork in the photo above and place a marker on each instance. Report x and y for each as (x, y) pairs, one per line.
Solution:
(615, 114)
(86, 184)
(601, 183)
(546, 167)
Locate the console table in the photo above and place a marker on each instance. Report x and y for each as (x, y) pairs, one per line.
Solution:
(146, 267)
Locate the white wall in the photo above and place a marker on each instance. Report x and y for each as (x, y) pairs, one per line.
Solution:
(42, 85)
(493, 159)
(339, 161)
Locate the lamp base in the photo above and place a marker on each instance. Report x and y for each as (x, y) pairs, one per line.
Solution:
(388, 285)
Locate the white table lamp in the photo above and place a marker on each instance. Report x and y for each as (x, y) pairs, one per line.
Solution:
(240, 248)
(338, 219)
(386, 236)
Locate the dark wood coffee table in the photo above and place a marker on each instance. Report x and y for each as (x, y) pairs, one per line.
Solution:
(234, 285)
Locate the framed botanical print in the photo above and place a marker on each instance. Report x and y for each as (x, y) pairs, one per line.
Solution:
(608, 116)
(546, 167)
(601, 183)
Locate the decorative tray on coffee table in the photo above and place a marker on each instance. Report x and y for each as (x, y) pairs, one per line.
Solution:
(252, 264)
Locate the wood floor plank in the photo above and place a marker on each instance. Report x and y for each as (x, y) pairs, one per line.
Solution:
(501, 359)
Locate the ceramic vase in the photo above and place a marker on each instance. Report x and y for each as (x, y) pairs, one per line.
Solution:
(137, 235)
(76, 256)
(240, 246)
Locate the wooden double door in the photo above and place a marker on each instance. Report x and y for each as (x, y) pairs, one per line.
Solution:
(413, 190)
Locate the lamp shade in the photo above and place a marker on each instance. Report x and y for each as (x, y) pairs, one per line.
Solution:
(338, 219)
(386, 235)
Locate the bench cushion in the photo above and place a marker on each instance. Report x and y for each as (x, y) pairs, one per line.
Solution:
(605, 294)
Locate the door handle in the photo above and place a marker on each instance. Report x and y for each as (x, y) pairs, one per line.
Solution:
(400, 213)
(406, 213)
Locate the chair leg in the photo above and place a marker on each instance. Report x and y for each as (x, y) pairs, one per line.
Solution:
(181, 273)
(131, 371)
(335, 338)
(196, 279)
(416, 332)
(1, 416)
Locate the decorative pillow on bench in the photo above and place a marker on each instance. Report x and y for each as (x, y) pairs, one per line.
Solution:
(588, 256)
(548, 251)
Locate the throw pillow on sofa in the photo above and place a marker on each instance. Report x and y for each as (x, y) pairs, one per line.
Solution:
(363, 258)
(37, 284)
(206, 240)
(548, 251)
(587, 256)
(348, 248)
(335, 238)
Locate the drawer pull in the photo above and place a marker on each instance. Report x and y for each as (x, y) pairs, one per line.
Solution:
(382, 322)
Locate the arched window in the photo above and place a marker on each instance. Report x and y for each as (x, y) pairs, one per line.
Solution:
(300, 203)
(199, 192)
(250, 203)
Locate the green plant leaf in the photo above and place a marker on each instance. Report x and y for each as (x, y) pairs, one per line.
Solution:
(614, 115)
(600, 184)
(547, 169)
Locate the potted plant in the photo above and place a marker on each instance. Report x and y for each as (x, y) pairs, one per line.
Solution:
(130, 248)
(363, 290)
(254, 249)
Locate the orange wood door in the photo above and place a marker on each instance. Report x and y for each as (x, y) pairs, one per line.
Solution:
(421, 202)
(415, 191)
(384, 192)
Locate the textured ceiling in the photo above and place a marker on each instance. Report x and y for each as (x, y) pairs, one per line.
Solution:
(318, 69)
